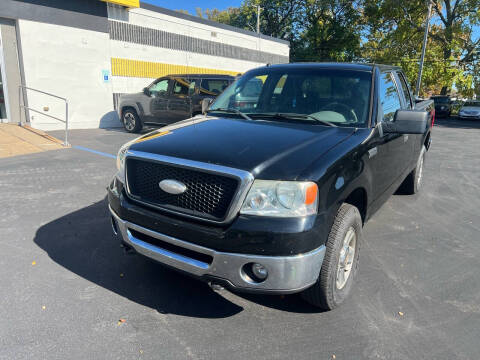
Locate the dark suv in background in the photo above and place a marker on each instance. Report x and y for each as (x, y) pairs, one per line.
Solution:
(443, 105)
(169, 99)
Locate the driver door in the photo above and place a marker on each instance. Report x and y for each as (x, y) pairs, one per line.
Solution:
(390, 149)
(159, 103)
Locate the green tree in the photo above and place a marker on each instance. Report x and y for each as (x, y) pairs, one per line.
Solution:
(331, 31)
(394, 35)
(456, 37)
(277, 16)
(380, 31)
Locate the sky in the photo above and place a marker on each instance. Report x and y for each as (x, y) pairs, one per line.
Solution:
(190, 5)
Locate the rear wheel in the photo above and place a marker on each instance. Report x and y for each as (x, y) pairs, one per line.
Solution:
(131, 121)
(340, 264)
(414, 180)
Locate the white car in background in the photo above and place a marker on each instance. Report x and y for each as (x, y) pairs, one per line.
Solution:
(470, 110)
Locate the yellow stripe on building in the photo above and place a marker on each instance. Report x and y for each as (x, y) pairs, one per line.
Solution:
(153, 70)
(127, 3)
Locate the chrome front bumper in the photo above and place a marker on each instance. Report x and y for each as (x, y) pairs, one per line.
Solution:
(286, 274)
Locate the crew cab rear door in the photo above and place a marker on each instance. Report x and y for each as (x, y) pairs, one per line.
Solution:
(412, 140)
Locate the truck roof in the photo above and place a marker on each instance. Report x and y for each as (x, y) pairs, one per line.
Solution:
(337, 65)
(203, 76)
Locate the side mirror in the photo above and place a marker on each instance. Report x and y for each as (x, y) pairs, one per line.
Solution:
(146, 91)
(407, 122)
(205, 104)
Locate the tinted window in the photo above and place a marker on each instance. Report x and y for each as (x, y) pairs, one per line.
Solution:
(191, 86)
(247, 97)
(213, 86)
(405, 88)
(338, 96)
(159, 87)
(441, 100)
(389, 97)
(181, 87)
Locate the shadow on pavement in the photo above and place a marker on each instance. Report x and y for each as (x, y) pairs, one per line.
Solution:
(83, 243)
(457, 123)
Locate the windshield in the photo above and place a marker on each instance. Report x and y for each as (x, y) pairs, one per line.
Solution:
(441, 100)
(472, 103)
(339, 97)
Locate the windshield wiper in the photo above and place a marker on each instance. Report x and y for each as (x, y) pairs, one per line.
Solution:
(230, 111)
(293, 116)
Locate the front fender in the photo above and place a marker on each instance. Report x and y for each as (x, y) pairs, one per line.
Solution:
(341, 171)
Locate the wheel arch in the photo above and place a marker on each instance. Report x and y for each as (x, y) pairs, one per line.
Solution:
(129, 107)
(358, 198)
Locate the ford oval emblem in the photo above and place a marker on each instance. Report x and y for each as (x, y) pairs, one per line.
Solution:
(173, 187)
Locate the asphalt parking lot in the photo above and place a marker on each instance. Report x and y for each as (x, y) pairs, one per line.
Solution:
(69, 292)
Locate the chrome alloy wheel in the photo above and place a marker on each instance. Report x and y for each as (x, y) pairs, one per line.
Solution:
(129, 121)
(347, 255)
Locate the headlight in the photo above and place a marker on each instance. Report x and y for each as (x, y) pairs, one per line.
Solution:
(122, 153)
(121, 156)
(281, 198)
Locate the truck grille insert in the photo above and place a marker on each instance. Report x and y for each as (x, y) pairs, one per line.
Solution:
(208, 195)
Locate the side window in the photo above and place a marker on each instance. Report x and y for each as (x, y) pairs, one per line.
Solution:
(406, 90)
(213, 86)
(180, 87)
(191, 86)
(159, 87)
(280, 85)
(389, 97)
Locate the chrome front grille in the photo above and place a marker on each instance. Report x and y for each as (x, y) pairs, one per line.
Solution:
(212, 191)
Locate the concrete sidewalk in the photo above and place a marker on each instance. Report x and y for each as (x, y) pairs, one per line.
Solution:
(18, 140)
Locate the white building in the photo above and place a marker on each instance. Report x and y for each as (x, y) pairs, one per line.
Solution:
(91, 51)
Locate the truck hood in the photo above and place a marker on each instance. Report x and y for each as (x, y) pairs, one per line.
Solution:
(268, 149)
(131, 96)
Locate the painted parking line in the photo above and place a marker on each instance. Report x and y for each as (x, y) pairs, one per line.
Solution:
(94, 151)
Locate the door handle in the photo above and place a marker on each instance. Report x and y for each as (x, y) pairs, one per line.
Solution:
(405, 138)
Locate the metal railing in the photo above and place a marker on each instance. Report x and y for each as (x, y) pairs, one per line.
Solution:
(21, 89)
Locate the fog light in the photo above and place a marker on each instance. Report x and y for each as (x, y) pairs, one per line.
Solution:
(259, 271)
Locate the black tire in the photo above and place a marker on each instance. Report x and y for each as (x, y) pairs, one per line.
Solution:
(131, 121)
(325, 293)
(414, 180)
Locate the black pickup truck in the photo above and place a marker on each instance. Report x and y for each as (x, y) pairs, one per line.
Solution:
(271, 195)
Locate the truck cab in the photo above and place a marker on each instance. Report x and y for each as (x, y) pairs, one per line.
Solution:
(270, 195)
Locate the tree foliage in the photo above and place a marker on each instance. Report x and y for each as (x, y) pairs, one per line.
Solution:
(380, 31)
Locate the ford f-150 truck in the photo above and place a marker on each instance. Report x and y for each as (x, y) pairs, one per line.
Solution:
(271, 195)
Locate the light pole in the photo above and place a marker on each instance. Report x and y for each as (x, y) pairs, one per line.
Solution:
(424, 47)
(258, 18)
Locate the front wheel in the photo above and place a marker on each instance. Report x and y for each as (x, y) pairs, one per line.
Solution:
(340, 264)
(131, 121)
